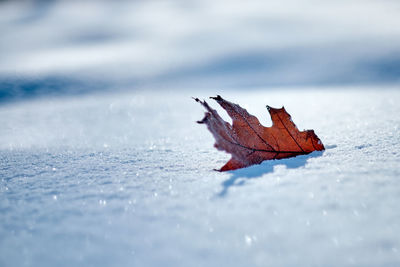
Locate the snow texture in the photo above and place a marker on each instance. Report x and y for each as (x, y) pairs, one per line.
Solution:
(127, 179)
(117, 173)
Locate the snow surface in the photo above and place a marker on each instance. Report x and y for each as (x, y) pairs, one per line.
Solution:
(123, 176)
(127, 179)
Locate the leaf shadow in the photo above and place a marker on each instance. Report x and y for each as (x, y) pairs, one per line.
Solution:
(240, 176)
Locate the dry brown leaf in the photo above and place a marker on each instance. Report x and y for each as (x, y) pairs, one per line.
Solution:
(251, 143)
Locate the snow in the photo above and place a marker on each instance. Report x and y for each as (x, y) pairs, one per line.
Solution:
(102, 162)
(126, 179)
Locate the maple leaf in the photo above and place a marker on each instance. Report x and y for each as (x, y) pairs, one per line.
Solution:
(251, 143)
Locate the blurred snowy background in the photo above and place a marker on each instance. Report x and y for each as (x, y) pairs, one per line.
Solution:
(64, 47)
(102, 163)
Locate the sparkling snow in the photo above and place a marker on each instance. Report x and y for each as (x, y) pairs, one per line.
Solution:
(102, 163)
(127, 180)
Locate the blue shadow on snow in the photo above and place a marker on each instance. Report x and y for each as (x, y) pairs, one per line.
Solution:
(240, 176)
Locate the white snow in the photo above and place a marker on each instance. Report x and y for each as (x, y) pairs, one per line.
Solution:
(127, 179)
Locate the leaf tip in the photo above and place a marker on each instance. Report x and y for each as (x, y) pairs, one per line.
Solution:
(202, 121)
(217, 98)
(205, 119)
